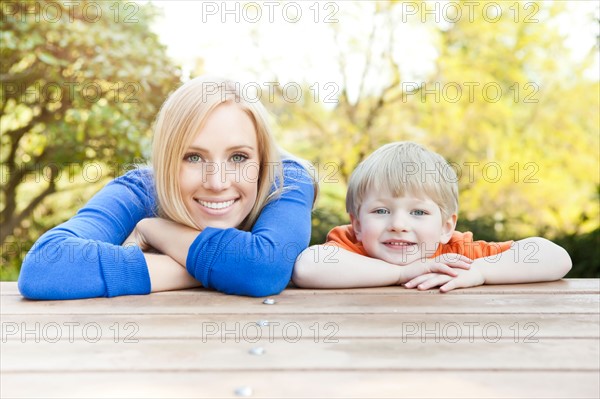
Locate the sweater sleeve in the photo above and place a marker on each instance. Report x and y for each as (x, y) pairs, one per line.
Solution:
(83, 257)
(258, 262)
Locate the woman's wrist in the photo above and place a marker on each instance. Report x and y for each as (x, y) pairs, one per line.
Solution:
(168, 237)
(142, 234)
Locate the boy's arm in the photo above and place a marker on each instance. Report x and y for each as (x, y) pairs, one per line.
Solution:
(529, 260)
(329, 266)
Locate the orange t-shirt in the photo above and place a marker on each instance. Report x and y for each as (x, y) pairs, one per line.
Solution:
(460, 243)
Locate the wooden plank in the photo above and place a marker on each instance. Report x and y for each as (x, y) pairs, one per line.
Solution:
(304, 384)
(310, 304)
(387, 354)
(249, 327)
(566, 286)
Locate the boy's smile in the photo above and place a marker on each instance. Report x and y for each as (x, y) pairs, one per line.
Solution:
(401, 230)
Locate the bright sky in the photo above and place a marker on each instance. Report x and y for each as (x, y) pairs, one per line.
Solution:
(294, 38)
(193, 29)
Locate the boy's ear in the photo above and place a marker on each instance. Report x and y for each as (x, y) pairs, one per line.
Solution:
(448, 228)
(356, 226)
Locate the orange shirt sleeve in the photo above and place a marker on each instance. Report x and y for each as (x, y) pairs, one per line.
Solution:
(460, 243)
(463, 244)
(343, 237)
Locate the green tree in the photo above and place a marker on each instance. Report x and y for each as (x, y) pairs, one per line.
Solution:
(505, 103)
(80, 84)
(515, 134)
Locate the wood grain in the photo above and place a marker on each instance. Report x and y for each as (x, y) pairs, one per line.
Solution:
(528, 340)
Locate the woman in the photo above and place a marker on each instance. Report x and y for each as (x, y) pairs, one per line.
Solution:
(219, 209)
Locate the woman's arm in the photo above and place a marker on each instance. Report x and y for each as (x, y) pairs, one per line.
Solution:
(255, 263)
(165, 236)
(329, 266)
(168, 275)
(83, 257)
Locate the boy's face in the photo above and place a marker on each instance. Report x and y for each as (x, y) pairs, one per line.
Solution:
(401, 230)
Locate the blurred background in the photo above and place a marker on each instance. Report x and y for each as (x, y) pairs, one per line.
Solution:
(507, 91)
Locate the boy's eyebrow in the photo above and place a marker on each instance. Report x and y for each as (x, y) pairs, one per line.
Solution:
(423, 201)
(412, 198)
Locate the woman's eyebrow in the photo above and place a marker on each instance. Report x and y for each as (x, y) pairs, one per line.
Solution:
(232, 148)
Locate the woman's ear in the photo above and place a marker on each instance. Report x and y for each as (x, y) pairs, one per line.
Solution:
(448, 228)
(355, 226)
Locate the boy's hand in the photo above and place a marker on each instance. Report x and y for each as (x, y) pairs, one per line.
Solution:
(454, 260)
(443, 265)
(464, 279)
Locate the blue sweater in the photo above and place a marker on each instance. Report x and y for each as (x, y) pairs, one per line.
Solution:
(83, 257)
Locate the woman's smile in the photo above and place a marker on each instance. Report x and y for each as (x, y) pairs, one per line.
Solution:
(216, 207)
(219, 172)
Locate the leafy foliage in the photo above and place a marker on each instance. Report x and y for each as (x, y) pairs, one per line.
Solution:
(79, 93)
(505, 103)
(79, 96)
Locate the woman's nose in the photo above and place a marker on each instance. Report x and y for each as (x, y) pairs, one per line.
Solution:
(216, 177)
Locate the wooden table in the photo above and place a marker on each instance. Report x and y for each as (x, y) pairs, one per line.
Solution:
(530, 340)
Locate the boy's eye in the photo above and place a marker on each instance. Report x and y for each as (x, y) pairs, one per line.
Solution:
(419, 212)
(237, 158)
(381, 211)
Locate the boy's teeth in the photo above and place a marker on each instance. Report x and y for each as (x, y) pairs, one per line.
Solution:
(216, 205)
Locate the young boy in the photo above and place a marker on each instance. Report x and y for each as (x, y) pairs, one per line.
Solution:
(403, 205)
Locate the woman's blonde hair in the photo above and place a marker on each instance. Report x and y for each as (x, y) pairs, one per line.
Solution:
(180, 119)
(405, 168)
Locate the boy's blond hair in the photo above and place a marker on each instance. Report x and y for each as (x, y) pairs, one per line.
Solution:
(405, 168)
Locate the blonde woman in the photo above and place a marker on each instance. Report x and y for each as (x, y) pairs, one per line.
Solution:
(219, 208)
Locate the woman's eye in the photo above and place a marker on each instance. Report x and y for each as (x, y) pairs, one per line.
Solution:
(237, 158)
(193, 158)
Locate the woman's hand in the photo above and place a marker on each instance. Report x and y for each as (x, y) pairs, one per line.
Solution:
(166, 273)
(164, 237)
(137, 238)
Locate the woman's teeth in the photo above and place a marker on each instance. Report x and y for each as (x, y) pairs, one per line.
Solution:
(216, 205)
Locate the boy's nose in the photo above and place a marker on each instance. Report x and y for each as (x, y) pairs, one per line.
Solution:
(399, 222)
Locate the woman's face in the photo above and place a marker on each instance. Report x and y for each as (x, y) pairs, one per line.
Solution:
(220, 169)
